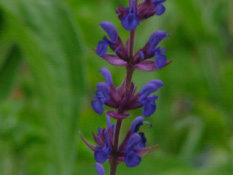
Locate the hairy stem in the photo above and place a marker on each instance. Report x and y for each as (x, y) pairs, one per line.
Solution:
(130, 70)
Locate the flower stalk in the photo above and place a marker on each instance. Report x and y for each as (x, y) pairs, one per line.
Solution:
(124, 98)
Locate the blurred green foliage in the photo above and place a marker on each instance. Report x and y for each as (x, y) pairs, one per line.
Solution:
(48, 75)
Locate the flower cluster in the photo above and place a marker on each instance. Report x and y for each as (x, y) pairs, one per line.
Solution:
(130, 151)
(141, 59)
(121, 99)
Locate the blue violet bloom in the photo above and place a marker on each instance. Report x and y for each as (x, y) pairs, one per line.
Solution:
(113, 35)
(131, 17)
(130, 20)
(148, 102)
(133, 146)
(103, 92)
(151, 49)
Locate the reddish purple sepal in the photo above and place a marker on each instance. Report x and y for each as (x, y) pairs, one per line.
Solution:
(116, 115)
(92, 147)
(114, 60)
(148, 65)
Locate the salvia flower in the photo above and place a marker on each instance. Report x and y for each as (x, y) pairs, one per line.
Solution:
(115, 43)
(148, 102)
(103, 92)
(108, 94)
(104, 140)
(123, 98)
(112, 41)
(151, 49)
(133, 146)
(99, 169)
(130, 19)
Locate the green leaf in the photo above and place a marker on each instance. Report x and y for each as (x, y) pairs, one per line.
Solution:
(8, 69)
(52, 45)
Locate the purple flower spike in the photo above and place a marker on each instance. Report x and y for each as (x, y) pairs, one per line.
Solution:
(102, 48)
(107, 75)
(148, 103)
(99, 169)
(155, 39)
(136, 124)
(130, 20)
(111, 31)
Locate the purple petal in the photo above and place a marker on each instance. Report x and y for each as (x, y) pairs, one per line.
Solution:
(136, 124)
(158, 83)
(108, 121)
(160, 9)
(132, 159)
(148, 109)
(116, 115)
(149, 88)
(103, 91)
(111, 30)
(160, 60)
(133, 140)
(114, 60)
(130, 21)
(155, 38)
(99, 169)
(107, 75)
(149, 106)
(98, 106)
(107, 139)
(102, 48)
(101, 155)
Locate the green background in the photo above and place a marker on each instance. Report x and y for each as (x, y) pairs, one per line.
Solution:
(48, 76)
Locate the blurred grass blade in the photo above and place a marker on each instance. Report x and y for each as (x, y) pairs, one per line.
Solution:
(8, 69)
(51, 43)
